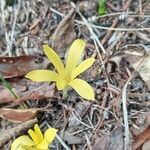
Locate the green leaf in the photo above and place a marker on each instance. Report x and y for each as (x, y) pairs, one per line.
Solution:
(7, 86)
(102, 7)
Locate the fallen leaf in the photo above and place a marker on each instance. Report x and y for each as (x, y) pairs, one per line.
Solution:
(70, 139)
(144, 70)
(17, 115)
(146, 145)
(6, 96)
(113, 141)
(64, 34)
(44, 91)
(135, 57)
(9, 133)
(141, 138)
(26, 90)
(17, 66)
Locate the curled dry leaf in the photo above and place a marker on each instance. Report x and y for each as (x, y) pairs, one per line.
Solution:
(17, 115)
(64, 34)
(17, 66)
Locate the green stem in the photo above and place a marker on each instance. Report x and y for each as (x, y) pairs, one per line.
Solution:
(65, 91)
(8, 86)
(10, 89)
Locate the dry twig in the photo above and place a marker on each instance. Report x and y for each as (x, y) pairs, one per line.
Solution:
(124, 103)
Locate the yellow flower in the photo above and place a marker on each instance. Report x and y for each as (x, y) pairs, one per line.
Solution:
(66, 76)
(38, 141)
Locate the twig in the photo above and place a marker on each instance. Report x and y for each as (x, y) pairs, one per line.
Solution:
(127, 5)
(115, 42)
(103, 66)
(90, 28)
(131, 14)
(117, 29)
(124, 103)
(140, 7)
(9, 40)
(2, 3)
(109, 32)
(88, 142)
(81, 121)
(103, 27)
(14, 24)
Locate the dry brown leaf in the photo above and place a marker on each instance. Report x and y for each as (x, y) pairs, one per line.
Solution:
(44, 91)
(113, 141)
(17, 66)
(6, 96)
(64, 34)
(146, 145)
(9, 133)
(17, 115)
(25, 90)
(141, 138)
(135, 56)
(144, 70)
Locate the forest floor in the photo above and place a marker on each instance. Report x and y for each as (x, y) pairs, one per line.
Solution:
(119, 118)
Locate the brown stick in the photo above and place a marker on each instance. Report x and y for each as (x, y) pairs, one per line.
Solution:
(109, 32)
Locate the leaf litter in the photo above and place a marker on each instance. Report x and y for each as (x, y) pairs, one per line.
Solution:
(87, 125)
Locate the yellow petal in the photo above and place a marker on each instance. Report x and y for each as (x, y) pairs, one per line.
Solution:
(42, 75)
(54, 58)
(22, 140)
(82, 67)
(38, 132)
(50, 135)
(82, 88)
(28, 147)
(34, 136)
(61, 83)
(74, 55)
(43, 145)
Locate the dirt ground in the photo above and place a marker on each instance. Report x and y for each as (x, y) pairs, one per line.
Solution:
(119, 118)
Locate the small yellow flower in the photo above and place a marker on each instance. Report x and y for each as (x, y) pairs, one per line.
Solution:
(38, 141)
(66, 76)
